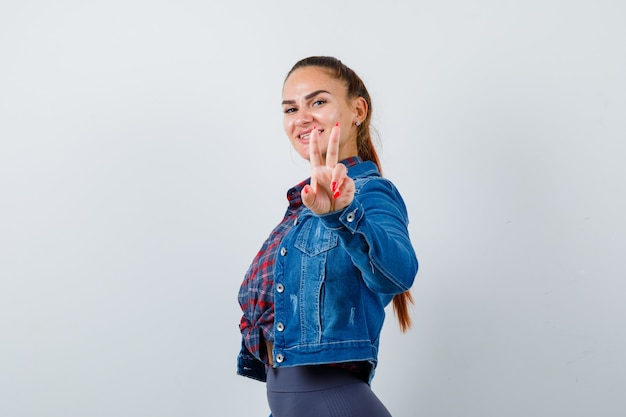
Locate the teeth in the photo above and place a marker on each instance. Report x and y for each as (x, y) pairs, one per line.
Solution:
(306, 135)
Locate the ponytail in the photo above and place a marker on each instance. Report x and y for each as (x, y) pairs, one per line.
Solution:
(401, 309)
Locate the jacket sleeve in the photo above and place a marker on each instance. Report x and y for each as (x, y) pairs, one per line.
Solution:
(374, 231)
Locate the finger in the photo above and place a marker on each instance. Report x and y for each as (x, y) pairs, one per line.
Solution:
(308, 196)
(344, 195)
(332, 152)
(339, 174)
(315, 157)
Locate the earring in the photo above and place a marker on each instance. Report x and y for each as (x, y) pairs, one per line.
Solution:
(357, 123)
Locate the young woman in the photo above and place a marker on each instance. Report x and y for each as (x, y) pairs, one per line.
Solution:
(313, 299)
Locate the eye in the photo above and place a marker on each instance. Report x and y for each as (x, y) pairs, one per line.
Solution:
(319, 102)
(289, 110)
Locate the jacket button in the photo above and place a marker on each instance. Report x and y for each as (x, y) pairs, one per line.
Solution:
(280, 287)
(280, 358)
(350, 217)
(283, 251)
(280, 327)
(295, 221)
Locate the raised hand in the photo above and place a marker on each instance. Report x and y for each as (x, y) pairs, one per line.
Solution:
(331, 189)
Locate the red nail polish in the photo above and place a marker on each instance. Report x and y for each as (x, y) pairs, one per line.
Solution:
(337, 124)
(337, 194)
(333, 186)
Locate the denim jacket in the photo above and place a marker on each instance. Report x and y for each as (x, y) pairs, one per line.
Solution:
(334, 275)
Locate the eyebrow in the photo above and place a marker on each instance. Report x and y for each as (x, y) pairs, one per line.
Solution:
(308, 96)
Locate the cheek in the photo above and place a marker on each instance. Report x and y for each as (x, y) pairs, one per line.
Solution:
(327, 115)
(287, 125)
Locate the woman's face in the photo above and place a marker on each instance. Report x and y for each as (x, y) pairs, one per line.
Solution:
(312, 98)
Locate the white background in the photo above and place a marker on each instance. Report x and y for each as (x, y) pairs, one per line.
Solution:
(143, 162)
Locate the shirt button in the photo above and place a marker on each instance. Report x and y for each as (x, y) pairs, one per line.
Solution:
(280, 358)
(295, 221)
(280, 327)
(283, 251)
(280, 287)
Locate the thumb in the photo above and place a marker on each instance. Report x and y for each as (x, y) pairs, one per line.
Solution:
(308, 196)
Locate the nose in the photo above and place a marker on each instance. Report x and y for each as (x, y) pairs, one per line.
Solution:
(304, 117)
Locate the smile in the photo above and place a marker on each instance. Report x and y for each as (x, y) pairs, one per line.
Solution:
(307, 135)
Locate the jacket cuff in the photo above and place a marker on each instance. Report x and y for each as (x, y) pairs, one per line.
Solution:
(349, 217)
(249, 366)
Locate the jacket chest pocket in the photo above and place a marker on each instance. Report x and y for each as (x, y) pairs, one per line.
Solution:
(313, 238)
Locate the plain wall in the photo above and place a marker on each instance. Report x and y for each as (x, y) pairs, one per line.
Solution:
(143, 162)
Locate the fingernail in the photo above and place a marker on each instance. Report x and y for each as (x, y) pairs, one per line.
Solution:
(337, 124)
(333, 186)
(306, 190)
(337, 194)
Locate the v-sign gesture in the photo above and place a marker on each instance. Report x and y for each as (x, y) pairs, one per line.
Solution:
(331, 189)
